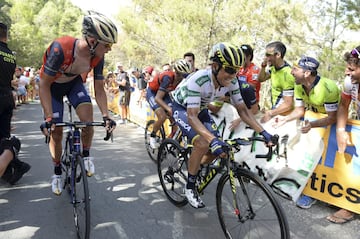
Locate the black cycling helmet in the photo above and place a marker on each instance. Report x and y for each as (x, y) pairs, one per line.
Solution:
(227, 54)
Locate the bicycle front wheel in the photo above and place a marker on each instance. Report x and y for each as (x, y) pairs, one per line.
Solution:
(172, 168)
(251, 211)
(160, 136)
(81, 200)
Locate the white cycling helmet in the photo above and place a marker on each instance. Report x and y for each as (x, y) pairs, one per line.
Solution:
(182, 66)
(100, 27)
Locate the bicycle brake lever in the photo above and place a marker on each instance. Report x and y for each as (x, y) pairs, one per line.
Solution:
(47, 139)
(108, 135)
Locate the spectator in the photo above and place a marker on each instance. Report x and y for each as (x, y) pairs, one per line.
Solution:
(22, 85)
(123, 81)
(282, 81)
(349, 94)
(166, 67)
(144, 78)
(318, 94)
(250, 72)
(190, 57)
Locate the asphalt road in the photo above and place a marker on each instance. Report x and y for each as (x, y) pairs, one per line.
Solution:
(126, 198)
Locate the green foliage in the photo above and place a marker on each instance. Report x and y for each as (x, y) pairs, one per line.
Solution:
(160, 31)
(36, 23)
(4, 10)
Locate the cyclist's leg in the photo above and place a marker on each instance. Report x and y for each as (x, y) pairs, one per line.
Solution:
(200, 148)
(160, 114)
(55, 145)
(81, 101)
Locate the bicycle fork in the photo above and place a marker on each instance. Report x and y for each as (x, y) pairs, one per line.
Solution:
(249, 211)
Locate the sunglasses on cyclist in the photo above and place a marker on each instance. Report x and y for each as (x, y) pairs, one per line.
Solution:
(355, 53)
(107, 45)
(230, 70)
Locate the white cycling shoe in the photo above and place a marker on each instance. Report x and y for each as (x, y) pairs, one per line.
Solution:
(153, 143)
(193, 198)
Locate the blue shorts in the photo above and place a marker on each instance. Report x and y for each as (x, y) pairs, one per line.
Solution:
(181, 119)
(75, 92)
(150, 97)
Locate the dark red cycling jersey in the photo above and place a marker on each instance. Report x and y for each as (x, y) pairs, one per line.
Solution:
(59, 58)
(163, 81)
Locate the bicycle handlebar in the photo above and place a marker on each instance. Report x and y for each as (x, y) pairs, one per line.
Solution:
(78, 124)
(249, 140)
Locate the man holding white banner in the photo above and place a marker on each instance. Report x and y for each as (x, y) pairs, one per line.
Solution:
(314, 93)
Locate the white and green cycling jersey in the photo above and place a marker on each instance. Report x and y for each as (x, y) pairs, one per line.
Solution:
(198, 90)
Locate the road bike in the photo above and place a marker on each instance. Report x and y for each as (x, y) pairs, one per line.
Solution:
(160, 136)
(75, 180)
(246, 205)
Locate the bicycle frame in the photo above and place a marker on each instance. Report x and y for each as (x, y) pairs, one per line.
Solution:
(229, 162)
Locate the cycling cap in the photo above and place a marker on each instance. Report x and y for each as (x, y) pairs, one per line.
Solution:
(227, 54)
(308, 63)
(100, 27)
(148, 69)
(183, 67)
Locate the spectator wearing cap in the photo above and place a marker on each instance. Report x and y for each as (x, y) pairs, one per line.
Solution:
(318, 94)
(349, 98)
(275, 68)
(144, 78)
(250, 72)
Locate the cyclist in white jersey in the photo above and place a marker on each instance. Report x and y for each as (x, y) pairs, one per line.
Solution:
(191, 98)
(350, 94)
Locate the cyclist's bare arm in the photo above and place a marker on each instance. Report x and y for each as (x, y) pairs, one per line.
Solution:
(100, 97)
(45, 94)
(248, 117)
(197, 125)
(342, 137)
(160, 94)
(329, 120)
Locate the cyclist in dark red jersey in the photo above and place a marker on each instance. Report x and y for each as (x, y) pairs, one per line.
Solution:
(66, 63)
(157, 94)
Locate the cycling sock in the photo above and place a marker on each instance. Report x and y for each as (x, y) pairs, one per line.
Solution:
(85, 153)
(57, 169)
(191, 181)
(153, 134)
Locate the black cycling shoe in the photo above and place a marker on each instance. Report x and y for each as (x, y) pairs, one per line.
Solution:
(19, 170)
(8, 173)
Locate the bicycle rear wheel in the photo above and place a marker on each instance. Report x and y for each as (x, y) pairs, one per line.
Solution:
(81, 200)
(172, 170)
(160, 136)
(253, 212)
